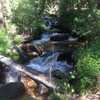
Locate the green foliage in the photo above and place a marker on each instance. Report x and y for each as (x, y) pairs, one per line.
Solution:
(58, 96)
(18, 39)
(5, 42)
(89, 60)
(26, 14)
(80, 16)
(87, 66)
(87, 69)
(63, 91)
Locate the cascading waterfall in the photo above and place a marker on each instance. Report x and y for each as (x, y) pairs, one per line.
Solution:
(47, 63)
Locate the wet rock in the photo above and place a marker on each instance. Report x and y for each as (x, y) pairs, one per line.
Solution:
(30, 85)
(2, 75)
(11, 91)
(32, 55)
(59, 37)
(72, 39)
(33, 89)
(28, 48)
(50, 21)
(67, 56)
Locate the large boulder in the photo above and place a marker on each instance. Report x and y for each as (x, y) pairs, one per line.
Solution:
(11, 91)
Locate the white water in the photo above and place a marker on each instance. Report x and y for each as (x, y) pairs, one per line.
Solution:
(12, 75)
(49, 61)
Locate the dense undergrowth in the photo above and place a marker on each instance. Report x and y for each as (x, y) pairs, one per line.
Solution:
(88, 64)
(84, 77)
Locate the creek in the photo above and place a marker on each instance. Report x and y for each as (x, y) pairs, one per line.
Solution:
(55, 57)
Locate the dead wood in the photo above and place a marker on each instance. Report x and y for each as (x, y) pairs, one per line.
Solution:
(35, 75)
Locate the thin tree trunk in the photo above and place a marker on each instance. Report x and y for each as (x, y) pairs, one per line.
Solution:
(4, 13)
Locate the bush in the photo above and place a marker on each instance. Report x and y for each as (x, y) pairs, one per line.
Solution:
(81, 16)
(87, 69)
(5, 42)
(87, 66)
(26, 15)
(18, 39)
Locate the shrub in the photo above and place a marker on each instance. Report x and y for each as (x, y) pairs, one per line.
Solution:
(18, 39)
(87, 66)
(5, 42)
(26, 15)
(81, 16)
(87, 69)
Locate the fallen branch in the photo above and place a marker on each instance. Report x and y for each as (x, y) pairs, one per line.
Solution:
(35, 75)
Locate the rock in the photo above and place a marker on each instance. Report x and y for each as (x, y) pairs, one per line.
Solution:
(33, 90)
(27, 38)
(30, 85)
(98, 93)
(67, 56)
(11, 91)
(29, 48)
(23, 57)
(72, 39)
(2, 75)
(82, 98)
(59, 37)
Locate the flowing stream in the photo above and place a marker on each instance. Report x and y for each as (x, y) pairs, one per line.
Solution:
(49, 61)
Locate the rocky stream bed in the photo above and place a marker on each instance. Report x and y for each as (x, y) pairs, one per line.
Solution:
(41, 59)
